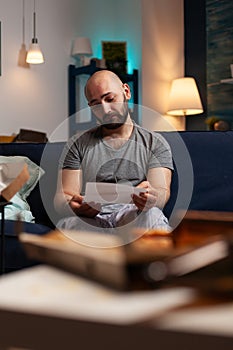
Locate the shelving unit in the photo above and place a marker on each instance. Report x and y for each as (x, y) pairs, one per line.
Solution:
(227, 81)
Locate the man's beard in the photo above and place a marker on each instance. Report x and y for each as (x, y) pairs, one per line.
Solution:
(122, 117)
(111, 126)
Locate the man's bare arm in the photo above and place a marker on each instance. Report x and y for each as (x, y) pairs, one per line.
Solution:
(68, 186)
(158, 189)
(68, 200)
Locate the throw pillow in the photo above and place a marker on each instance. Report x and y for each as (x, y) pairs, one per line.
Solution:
(19, 204)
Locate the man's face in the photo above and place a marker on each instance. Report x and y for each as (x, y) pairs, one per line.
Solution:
(109, 103)
(113, 115)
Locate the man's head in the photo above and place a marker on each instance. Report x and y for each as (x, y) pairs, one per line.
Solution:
(108, 98)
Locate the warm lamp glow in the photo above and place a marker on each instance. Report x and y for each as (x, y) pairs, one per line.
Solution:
(184, 98)
(34, 55)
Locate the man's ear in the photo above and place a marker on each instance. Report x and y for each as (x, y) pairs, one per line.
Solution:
(127, 91)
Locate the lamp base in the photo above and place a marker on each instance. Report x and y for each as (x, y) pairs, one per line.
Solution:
(179, 123)
(81, 60)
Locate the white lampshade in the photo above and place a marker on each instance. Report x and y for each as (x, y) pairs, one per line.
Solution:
(184, 98)
(81, 46)
(34, 55)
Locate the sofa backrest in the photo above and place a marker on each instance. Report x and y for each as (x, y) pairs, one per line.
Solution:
(211, 159)
(211, 154)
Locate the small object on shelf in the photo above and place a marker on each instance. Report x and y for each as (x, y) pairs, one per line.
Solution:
(221, 125)
(229, 80)
(26, 135)
(7, 138)
(217, 124)
(100, 63)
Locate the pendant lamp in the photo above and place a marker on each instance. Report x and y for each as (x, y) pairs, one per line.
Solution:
(34, 55)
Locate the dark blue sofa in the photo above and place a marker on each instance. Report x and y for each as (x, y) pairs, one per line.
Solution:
(40, 199)
(202, 180)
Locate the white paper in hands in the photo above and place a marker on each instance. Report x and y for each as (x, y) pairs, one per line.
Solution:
(106, 193)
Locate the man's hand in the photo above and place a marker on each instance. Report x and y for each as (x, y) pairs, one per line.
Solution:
(145, 200)
(83, 209)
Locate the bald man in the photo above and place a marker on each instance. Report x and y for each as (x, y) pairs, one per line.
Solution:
(116, 151)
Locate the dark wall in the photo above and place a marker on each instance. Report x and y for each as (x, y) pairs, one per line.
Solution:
(195, 55)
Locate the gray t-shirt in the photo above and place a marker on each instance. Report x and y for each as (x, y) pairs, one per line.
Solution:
(130, 163)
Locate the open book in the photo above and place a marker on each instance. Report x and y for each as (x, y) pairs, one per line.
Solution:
(13, 176)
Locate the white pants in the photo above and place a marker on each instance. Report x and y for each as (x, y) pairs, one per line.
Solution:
(127, 217)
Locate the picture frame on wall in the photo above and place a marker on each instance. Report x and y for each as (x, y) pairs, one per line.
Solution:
(115, 55)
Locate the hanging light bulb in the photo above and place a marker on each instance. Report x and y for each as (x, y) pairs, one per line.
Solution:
(34, 55)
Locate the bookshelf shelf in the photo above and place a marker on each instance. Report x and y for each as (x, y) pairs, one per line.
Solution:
(227, 81)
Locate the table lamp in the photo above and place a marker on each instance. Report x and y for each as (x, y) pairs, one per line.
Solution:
(184, 98)
(81, 49)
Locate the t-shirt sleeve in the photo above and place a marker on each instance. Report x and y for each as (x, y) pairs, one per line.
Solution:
(70, 158)
(161, 155)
